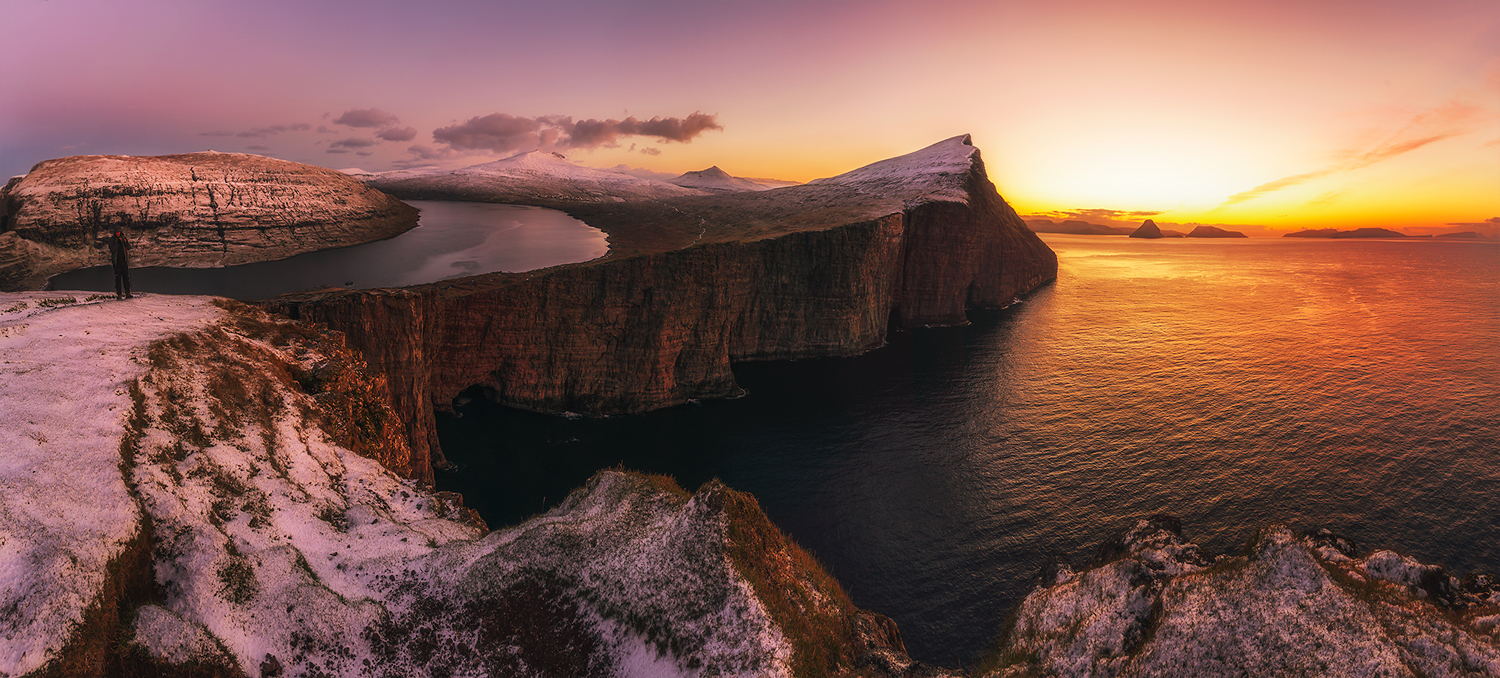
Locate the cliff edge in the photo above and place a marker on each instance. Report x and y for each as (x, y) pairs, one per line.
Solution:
(694, 283)
(190, 210)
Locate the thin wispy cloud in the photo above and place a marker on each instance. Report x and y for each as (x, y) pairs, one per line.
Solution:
(1433, 125)
(259, 132)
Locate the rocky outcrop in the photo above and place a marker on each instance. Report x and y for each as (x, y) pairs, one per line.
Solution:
(1214, 232)
(218, 501)
(192, 210)
(715, 180)
(1290, 605)
(693, 284)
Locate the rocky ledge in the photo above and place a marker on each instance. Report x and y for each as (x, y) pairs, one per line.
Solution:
(191, 210)
(1289, 606)
(196, 488)
(694, 283)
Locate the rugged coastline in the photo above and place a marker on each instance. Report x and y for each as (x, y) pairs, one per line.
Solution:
(692, 284)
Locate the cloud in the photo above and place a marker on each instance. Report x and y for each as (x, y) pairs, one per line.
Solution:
(398, 133)
(1452, 119)
(1132, 216)
(353, 142)
(323, 129)
(366, 117)
(651, 151)
(336, 150)
(274, 129)
(504, 133)
(364, 153)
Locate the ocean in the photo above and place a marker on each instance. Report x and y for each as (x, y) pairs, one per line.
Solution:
(1346, 384)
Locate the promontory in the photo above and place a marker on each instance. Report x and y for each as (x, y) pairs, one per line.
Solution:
(190, 210)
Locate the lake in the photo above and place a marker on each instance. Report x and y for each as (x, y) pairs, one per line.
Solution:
(1353, 385)
(452, 239)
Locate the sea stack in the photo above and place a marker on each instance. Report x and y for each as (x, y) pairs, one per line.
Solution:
(1148, 230)
(191, 210)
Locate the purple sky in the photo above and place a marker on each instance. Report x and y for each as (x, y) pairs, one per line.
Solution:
(1277, 112)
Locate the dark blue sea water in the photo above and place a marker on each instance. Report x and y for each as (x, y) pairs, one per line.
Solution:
(1353, 385)
(451, 239)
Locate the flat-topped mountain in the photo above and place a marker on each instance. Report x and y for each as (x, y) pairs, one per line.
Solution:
(1214, 232)
(1356, 233)
(694, 283)
(715, 180)
(533, 177)
(1464, 235)
(192, 210)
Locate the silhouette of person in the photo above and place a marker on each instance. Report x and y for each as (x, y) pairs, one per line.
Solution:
(119, 258)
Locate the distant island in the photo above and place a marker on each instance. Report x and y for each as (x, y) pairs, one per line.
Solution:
(1465, 235)
(1214, 232)
(1356, 233)
(1075, 227)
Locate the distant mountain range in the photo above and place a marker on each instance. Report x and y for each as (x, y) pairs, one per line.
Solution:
(1075, 227)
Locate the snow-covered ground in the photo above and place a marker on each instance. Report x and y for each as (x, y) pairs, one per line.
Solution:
(66, 367)
(273, 545)
(937, 172)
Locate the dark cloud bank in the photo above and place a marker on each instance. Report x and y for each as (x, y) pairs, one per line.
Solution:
(504, 133)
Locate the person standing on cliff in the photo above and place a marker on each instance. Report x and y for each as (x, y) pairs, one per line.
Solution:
(119, 258)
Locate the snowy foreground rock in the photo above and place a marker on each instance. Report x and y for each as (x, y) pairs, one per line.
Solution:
(192, 487)
(1289, 606)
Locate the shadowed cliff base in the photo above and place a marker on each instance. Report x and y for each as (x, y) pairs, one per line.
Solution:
(694, 283)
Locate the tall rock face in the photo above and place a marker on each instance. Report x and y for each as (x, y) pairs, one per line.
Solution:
(191, 210)
(821, 269)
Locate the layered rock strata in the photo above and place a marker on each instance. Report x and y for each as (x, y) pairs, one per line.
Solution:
(213, 493)
(191, 210)
(1290, 605)
(693, 284)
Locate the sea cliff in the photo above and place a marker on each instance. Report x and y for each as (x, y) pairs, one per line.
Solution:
(191, 210)
(695, 283)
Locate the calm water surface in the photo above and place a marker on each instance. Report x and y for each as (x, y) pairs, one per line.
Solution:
(1353, 385)
(451, 239)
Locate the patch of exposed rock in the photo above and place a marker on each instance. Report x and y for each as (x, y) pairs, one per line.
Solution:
(191, 210)
(1289, 605)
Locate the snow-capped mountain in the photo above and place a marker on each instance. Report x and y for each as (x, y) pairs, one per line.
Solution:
(534, 175)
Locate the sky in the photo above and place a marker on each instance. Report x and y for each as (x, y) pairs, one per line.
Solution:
(1265, 116)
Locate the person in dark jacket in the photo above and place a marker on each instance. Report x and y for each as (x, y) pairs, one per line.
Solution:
(119, 258)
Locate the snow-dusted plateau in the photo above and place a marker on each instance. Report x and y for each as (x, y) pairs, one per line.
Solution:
(191, 486)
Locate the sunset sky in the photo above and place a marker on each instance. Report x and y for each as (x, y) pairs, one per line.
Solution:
(1284, 114)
